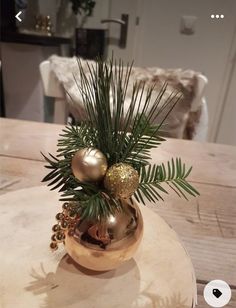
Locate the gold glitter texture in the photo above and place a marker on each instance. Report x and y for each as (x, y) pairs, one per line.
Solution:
(121, 180)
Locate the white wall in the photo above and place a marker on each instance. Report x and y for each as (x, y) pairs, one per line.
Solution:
(161, 44)
(117, 8)
(226, 128)
(50, 7)
(24, 98)
(101, 11)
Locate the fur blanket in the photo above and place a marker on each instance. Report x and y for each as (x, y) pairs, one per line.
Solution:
(185, 115)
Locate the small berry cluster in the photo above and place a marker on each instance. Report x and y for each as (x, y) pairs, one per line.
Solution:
(67, 220)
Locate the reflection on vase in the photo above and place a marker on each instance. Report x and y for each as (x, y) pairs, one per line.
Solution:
(102, 246)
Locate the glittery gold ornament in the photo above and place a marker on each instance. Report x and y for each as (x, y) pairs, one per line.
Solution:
(121, 180)
(89, 165)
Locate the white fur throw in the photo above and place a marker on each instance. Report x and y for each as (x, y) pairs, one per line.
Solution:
(182, 121)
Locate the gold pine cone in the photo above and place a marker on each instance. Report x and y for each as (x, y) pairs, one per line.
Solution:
(121, 180)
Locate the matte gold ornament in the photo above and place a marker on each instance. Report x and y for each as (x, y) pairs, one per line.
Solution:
(121, 180)
(89, 165)
(104, 245)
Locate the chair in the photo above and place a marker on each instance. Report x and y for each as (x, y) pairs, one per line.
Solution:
(53, 88)
(201, 132)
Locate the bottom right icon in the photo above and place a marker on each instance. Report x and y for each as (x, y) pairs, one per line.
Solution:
(217, 293)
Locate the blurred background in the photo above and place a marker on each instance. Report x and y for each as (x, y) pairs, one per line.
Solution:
(190, 42)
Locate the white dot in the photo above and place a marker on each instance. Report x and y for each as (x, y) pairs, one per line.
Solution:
(222, 16)
(212, 16)
(217, 16)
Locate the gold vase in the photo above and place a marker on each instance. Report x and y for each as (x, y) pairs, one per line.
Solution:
(102, 246)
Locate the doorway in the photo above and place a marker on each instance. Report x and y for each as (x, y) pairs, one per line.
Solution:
(155, 40)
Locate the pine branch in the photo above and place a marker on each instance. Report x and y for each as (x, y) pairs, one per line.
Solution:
(153, 177)
(126, 129)
(75, 138)
(123, 134)
(93, 202)
(96, 207)
(61, 177)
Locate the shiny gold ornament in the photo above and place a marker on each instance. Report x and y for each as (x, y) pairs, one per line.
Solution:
(64, 225)
(66, 222)
(60, 236)
(56, 228)
(53, 238)
(89, 165)
(72, 214)
(65, 206)
(104, 245)
(60, 216)
(53, 246)
(121, 180)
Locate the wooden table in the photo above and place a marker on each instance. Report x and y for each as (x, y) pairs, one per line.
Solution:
(206, 224)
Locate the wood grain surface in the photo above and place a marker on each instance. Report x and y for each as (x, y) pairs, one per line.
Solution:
(206, 225)
(159, 275)
(213, 164)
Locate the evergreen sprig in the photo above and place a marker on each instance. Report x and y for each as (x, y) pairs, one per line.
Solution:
(123, 134)
(92, 201)
(129, 131)
(152, 178)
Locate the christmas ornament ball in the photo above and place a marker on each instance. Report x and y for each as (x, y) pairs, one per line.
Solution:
(121, 180)
(104, 245)
(89, 165)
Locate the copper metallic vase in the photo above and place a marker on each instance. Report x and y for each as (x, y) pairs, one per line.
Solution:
(102, 246)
